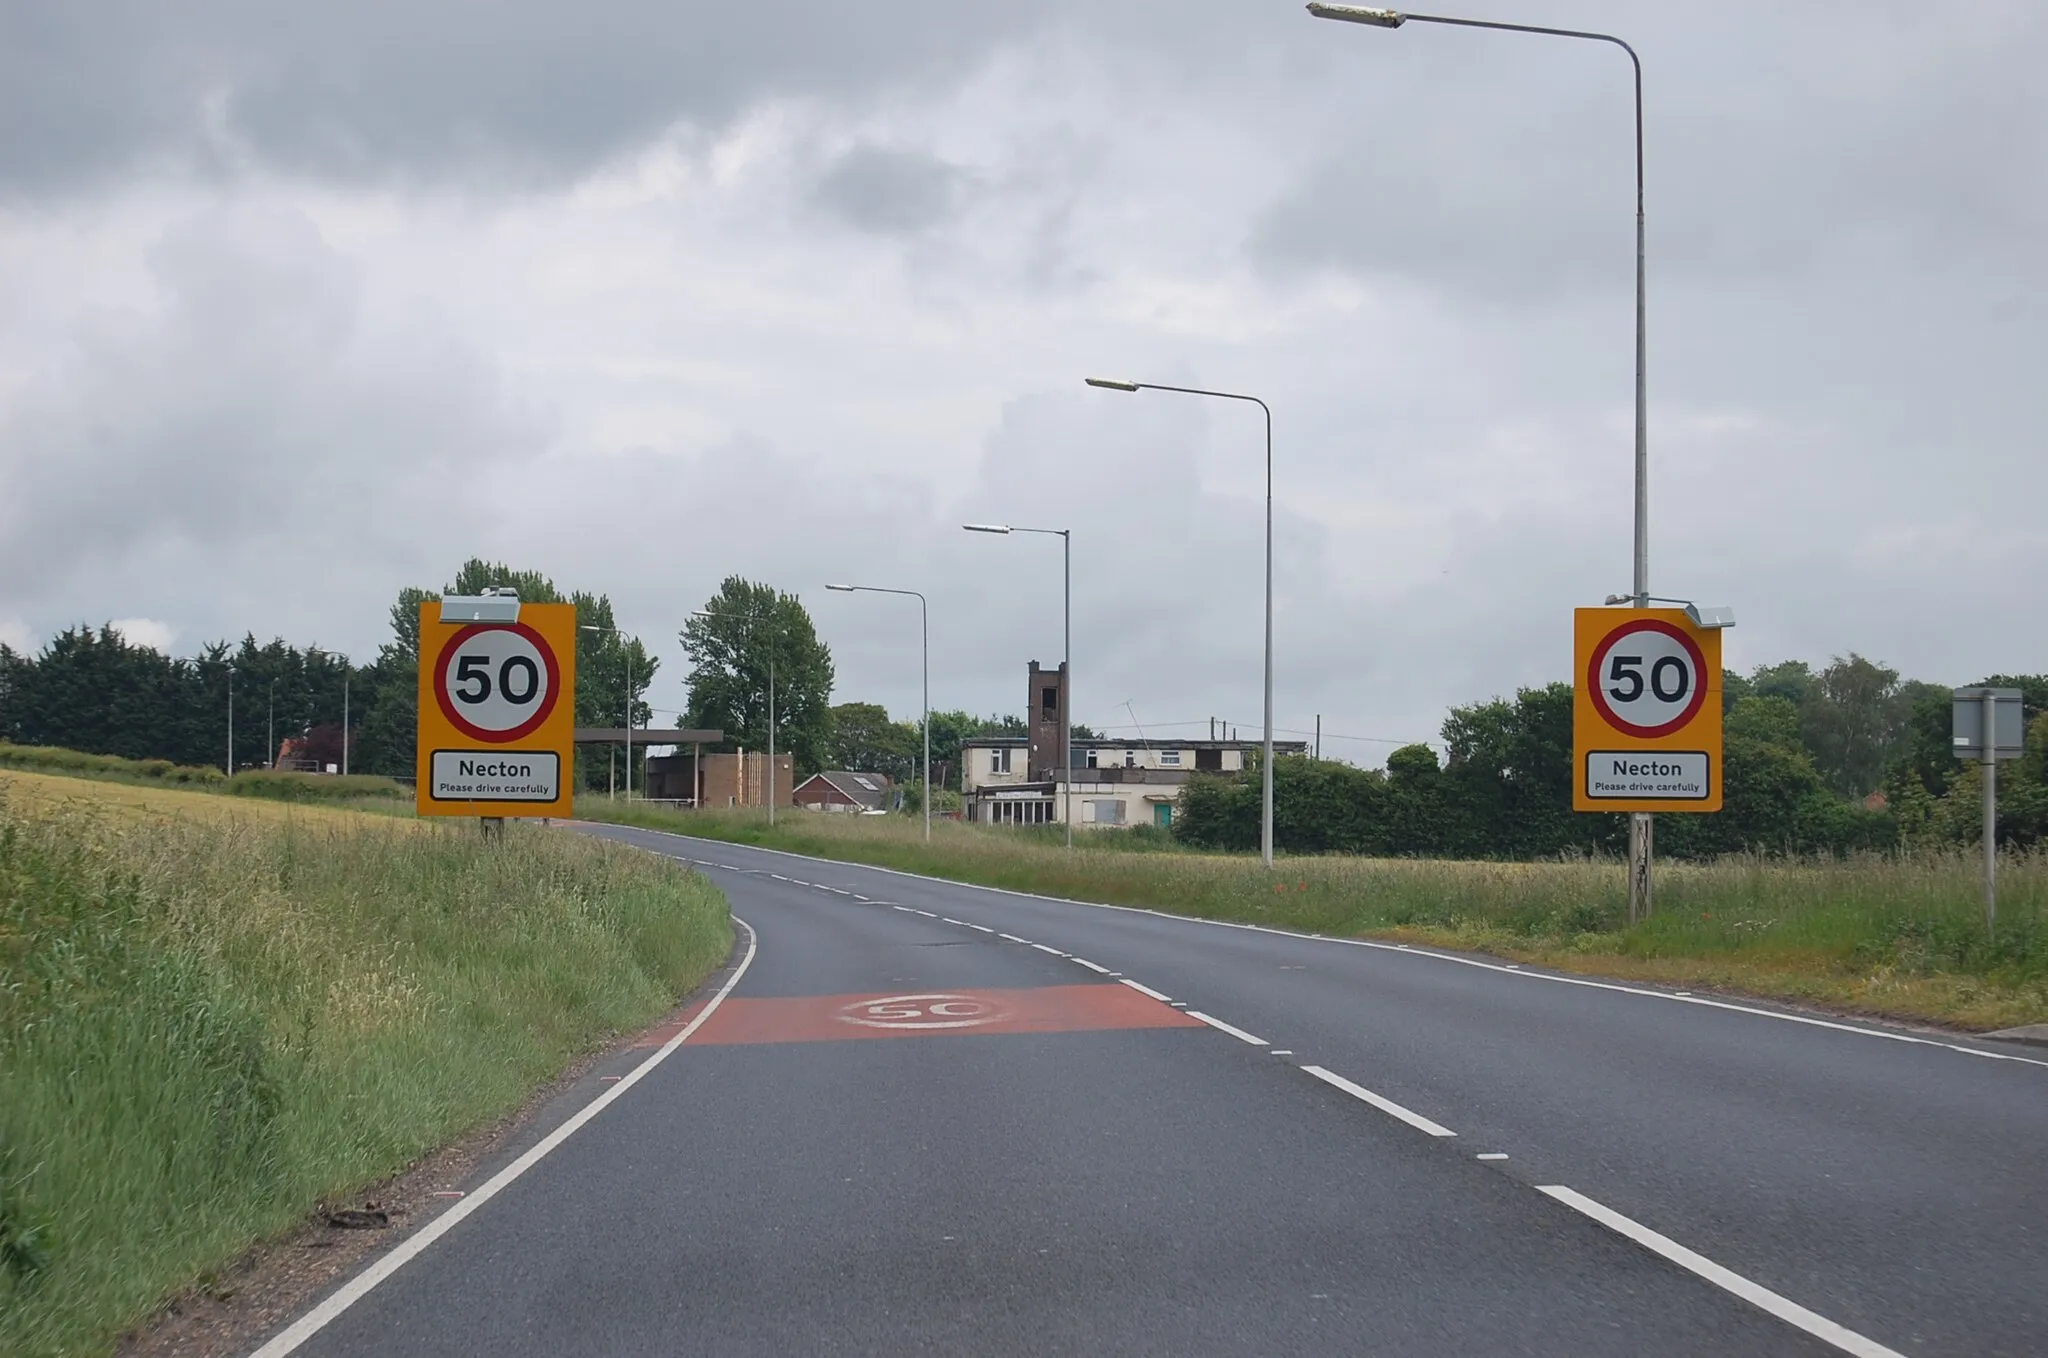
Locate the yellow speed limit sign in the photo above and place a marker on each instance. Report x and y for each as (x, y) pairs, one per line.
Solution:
(1646, 711)
(497, 712)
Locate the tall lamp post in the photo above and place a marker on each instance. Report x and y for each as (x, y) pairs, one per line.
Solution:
(1266, 763)
(347, 673)
(1066, 537)
(772, 782)
(925, 625)
(587, 627)
(1639, 826)
(231, 721)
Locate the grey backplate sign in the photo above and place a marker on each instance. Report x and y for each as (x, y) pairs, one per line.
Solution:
(496, 776)
(1680, 775)
(1968, 723)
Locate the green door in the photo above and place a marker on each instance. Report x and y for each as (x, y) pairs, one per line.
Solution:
(1162, 815)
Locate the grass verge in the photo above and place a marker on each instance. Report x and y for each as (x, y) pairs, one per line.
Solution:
(1898, 936)
(365, 792)
(215, 1014)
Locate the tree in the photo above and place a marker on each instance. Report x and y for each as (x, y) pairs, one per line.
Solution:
(864, 738)
(746, 625)
(1854, 722)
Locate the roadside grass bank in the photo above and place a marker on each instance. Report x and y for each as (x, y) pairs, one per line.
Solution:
(363, 791)
(1902, 936)
(217, 1013)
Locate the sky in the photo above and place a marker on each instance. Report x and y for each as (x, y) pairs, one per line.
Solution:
(309, 304)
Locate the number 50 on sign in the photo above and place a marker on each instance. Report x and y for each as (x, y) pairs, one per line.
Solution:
(1646, 711)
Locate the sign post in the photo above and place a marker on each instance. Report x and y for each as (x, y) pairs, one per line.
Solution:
(1646, 716)
(497, 709)
(1989, 724)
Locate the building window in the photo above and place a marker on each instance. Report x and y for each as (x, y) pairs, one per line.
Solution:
(1130, 759)
(1091, 758)
(1048, 703)
(999, 760)
(1106, 812)
(1169, 759)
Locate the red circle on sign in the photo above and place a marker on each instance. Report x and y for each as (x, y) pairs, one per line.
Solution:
(471, 729)
(1599, 661)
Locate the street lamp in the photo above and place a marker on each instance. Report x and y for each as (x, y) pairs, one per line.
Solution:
(231, 721)
(772, 782)
(925, 624)
(1266, 770)
(1639, 842)
(628, 651)
(347, 673)
(1066, 537)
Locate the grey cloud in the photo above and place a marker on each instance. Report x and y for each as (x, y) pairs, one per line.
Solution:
(890, 191)
(508, 90)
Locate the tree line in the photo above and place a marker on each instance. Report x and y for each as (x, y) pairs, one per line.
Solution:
(1845, 758)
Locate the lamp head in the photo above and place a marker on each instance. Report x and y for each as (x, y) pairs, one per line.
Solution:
(986, 527)
(1359, 14)
(843, 589)
(1712, 619)
(1620, 598)
(1112, 383)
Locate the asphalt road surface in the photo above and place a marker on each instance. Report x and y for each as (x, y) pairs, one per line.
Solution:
(927, 1118)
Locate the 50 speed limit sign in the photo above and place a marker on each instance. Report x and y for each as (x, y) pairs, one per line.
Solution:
(1646, 717)
(497, 713)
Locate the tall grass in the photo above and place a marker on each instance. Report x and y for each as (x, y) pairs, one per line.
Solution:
(1902, 934)
(207, 1024)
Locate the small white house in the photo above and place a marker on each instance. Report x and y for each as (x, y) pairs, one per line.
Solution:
(1115, 782)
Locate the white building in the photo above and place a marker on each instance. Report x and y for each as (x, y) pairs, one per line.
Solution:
(1116, 782)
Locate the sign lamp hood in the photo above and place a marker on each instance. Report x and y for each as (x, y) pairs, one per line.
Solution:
(1712, 619)
(493, 605)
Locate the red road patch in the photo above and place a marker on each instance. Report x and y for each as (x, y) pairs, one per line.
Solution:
(937, 1013)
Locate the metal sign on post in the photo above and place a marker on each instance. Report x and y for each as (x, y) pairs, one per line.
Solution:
(1646, 711)
(1989, 724)
(497, 708)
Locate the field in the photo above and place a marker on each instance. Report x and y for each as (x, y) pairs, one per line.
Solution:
(1887, 935)
(216, 1012)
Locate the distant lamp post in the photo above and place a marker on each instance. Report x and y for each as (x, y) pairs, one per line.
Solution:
(627, 651)
(231, 721)
(924, 617)
(347, 673)
(1266, 769)
(1066, 537)
(1639, 832)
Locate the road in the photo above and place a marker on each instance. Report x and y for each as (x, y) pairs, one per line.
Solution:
(923, 1117)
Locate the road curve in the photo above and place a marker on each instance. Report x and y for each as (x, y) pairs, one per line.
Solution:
(937, 1118)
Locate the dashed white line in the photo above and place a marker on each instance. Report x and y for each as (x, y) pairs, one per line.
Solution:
(778, 876)
(1491, 1155)
(904, 908)
(948, 919)
(1387, 1106)
(1282, 1051)
(982, 927)
(1013, 938)
(1220, 1026)
(1045, 948)
(926, 913)
(1791, 1312)
(1090, 965)
(1147, 990)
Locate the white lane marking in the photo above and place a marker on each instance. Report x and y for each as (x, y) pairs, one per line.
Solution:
(1013, 938)
(904, 908)
(1504, 968)
(1387, 1106)
(1148, 990)
(982, 927)
(1791, 1312)
(926, 913)
(1090, 965)
(1043, 948)
(1491, 1155)
(1220, 1026)
(778, 876)
(948, 919)
(358, 1287)
(1283, 1051)
(869, 899)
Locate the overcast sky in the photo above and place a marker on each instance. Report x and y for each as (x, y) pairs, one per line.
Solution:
(301, 310)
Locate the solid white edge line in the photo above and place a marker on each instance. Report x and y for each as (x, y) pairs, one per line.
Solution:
(1147, 990)
(356, 1288)
(1387, 1106)
(1791, 1312)
(1503, 968)
(1042, 947)
(1220, 1026)
(1090, 965)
